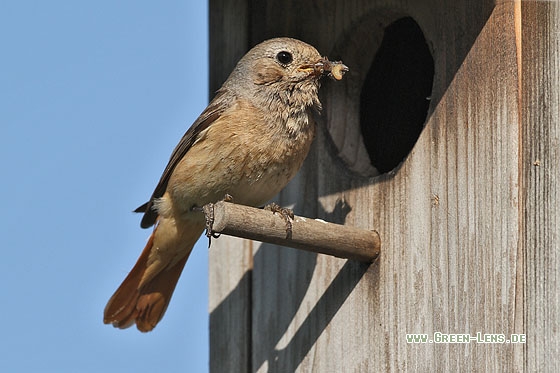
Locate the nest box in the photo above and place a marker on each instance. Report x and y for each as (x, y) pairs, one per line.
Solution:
(444, 137)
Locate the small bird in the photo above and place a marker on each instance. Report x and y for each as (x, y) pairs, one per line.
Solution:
(248, 143)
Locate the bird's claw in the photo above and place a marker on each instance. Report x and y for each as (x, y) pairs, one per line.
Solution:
(286, 213)
(208, 210)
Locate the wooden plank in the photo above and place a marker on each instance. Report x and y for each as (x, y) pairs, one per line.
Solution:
(469, 222)
(229, 25)
(448, 266)
(230, 305)
(541, 182)
(231, 259)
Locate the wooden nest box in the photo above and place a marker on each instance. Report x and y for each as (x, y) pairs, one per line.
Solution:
(444, 137)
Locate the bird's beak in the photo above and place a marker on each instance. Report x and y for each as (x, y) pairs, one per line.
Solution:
(315, 69)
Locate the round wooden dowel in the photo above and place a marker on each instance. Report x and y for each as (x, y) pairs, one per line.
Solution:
(306, 234)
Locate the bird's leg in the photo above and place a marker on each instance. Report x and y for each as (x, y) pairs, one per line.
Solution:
(286, 213)
(208, 211)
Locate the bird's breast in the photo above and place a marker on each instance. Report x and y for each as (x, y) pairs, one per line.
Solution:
(271, 158)
(246, 153)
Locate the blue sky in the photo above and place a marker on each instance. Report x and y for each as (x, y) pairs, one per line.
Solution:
(93, 98)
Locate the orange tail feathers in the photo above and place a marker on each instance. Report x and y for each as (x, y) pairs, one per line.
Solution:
(144, 305)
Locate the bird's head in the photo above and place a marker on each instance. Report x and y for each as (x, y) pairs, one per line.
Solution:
(283, 69)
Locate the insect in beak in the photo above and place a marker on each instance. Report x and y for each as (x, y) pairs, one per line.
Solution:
(333, 69)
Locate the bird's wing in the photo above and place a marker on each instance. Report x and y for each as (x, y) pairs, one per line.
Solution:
(208, 116)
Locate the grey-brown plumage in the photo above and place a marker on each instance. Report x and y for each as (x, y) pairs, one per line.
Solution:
(249, 142)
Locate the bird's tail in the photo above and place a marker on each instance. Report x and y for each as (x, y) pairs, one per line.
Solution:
(144, 302)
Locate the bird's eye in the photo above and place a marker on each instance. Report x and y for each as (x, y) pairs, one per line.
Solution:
(284, 57)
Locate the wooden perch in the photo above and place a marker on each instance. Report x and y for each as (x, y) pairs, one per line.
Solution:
(306, 234)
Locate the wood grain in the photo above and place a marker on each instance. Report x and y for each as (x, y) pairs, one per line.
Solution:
(317, 236)
(540, 177)
(231, 258)
(469, 221)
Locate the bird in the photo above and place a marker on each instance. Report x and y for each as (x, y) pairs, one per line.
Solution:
(248, 143)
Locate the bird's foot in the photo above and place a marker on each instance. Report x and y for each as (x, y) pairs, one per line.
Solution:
(208, 211)
(286, 213)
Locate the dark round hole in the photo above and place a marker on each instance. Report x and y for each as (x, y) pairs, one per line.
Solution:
(395, 95)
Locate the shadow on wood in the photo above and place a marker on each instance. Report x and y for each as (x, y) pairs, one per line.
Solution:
(231, 319)
(316, 321)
